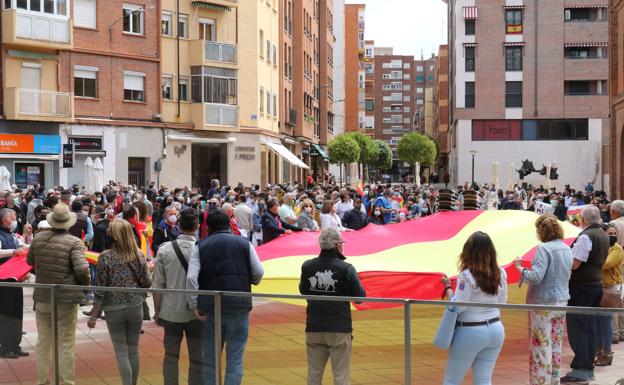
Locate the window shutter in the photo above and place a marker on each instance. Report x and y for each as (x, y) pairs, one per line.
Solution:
(85, 74)
(133, 81)
(85, 13)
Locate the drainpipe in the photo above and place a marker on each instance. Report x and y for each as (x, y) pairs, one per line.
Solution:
(178, 55)
(535, 13)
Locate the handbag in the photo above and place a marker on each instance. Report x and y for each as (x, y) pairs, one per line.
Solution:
(610, 299)
(446, 329)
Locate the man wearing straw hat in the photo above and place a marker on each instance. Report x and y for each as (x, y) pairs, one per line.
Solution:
(58, 258)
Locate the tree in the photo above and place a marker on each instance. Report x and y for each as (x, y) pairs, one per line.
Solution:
(368, 150)
(417, 148)
(343, 150)
(384, 157)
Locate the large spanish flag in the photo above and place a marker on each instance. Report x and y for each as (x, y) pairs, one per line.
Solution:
(407, 260)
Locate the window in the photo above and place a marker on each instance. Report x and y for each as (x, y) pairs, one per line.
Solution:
(419, 90)
(470, 95)
(420, 68)
(275, 105)
(513, 94)
(84, 13)
(166, 24)
(134, 86)
(586, 14)
(85, 81)
(275, 55)
(585, 87)
(469, 54)
(513, 58)
(268, 51)
(420, 101)
(407, 98)
(470, 26)
(182, 26)
(513, 21)
(183, 89)
(133, 19)
(261, 100)
(406, 66)
(268, 103)
(585, 52)
(369, 105)
(261, 42)
(167, 87)
(406, 76)
(55, 7)
(396, 97)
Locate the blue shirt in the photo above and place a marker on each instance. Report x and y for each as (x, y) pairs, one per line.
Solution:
(385, 203)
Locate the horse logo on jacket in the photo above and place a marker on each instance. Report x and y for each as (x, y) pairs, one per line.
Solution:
(323, 281)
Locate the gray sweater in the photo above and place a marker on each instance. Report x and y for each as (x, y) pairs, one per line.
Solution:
(549, 274)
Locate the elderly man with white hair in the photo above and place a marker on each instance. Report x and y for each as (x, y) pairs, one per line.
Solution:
(617, 219)
(589, 250)
(286, 212)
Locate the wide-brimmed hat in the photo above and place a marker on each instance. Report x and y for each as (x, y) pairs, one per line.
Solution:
(61, 218)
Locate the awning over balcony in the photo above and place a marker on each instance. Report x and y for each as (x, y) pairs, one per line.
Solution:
(284, 153)
(208, 5)
(470, 44)
(598, 44)
(321, 151)
(513, 7)
(470, 12)
(587, 6)
(514, 44)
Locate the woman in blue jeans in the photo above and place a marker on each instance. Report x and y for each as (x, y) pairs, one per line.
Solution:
(479, 332)
(122, 266)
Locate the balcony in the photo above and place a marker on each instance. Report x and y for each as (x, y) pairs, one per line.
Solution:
(36, 29)
(583, 69)
(22, 104)
(206, 52)
(584, 32)
(215, 117)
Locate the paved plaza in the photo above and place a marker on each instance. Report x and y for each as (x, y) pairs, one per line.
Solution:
(276, 352)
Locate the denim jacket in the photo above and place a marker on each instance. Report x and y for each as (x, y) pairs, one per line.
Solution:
(549, 274)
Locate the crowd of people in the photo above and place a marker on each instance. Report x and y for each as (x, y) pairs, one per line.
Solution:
(190, 239)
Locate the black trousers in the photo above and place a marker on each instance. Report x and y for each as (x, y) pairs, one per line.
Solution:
(174, 332)
(11, 318)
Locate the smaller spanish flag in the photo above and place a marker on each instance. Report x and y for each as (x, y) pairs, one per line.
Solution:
(359, 187)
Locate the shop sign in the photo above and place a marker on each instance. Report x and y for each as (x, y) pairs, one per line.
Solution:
(30, 144)
(245, 153)
(86, 144)
(68, 155)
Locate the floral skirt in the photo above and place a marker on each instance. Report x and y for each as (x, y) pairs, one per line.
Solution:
(546, 330)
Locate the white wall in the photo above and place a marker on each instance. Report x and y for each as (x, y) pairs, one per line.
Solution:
(339, 74)
(578, 160)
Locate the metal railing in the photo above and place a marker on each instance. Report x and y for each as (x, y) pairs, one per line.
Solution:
(219, 295)
(221, 52)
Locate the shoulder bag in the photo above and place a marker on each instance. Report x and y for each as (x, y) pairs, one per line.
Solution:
(178, 253)
(446, 329)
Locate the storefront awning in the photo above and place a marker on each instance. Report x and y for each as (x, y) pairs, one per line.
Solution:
(208, 5)
(287, 155)
(470, 13)
(321, 151)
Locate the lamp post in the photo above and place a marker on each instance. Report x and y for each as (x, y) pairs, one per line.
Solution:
(473, 153)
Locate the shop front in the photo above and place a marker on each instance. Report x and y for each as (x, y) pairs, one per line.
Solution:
(319, 161)
(31, 159)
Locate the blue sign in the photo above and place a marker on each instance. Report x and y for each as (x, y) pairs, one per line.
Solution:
(47, 144)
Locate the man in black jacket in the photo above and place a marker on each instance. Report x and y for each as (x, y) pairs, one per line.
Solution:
(355, 218)
(272, 225)
(101, 218)
(328, 324)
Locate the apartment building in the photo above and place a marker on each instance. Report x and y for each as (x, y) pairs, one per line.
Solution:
(528, 83)
(369, 87)
(614, 162)
(355, 85)
(441, 109)
(423, 94)
(307, 73)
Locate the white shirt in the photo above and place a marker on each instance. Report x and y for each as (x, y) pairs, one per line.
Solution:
(343, 207)
(467, 290)
(285, 212)
(331, 221)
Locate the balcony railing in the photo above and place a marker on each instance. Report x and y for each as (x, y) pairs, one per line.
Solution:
(220, 114)
(221, 52)
(292, 117)
(36, 29)
(23, 103)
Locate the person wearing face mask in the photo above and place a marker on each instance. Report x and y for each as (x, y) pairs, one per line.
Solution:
(306, 218)
(345, 204)
(328, 324)
(167, 230)
(102, 218)
(256, 238)
(13, 202)
(355, 218)
(81, 227)
(272, 225)
(611, 282)
(11, 298)
(40, 213)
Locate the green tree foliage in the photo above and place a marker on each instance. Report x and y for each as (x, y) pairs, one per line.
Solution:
(417, 148)
(384, 159)
(368, 150)
(343, 150)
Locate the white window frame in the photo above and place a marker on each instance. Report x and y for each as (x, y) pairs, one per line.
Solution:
(134, 74)
(85, 72)
(184, 81)
(166, 16)
(134, 8)
(55, 10)
(183, 19)
(167, 82)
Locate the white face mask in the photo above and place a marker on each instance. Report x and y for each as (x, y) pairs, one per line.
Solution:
(308, 209)
(13, 226)
(377, 213)
(172, 219)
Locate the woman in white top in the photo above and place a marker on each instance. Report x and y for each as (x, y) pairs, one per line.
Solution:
(329, 218)
(479, 333)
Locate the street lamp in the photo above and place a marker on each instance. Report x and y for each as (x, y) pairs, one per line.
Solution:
(473, 153)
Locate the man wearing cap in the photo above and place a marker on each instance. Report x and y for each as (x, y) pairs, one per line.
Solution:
(58, 258)
(355, 218)
(328, 324)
